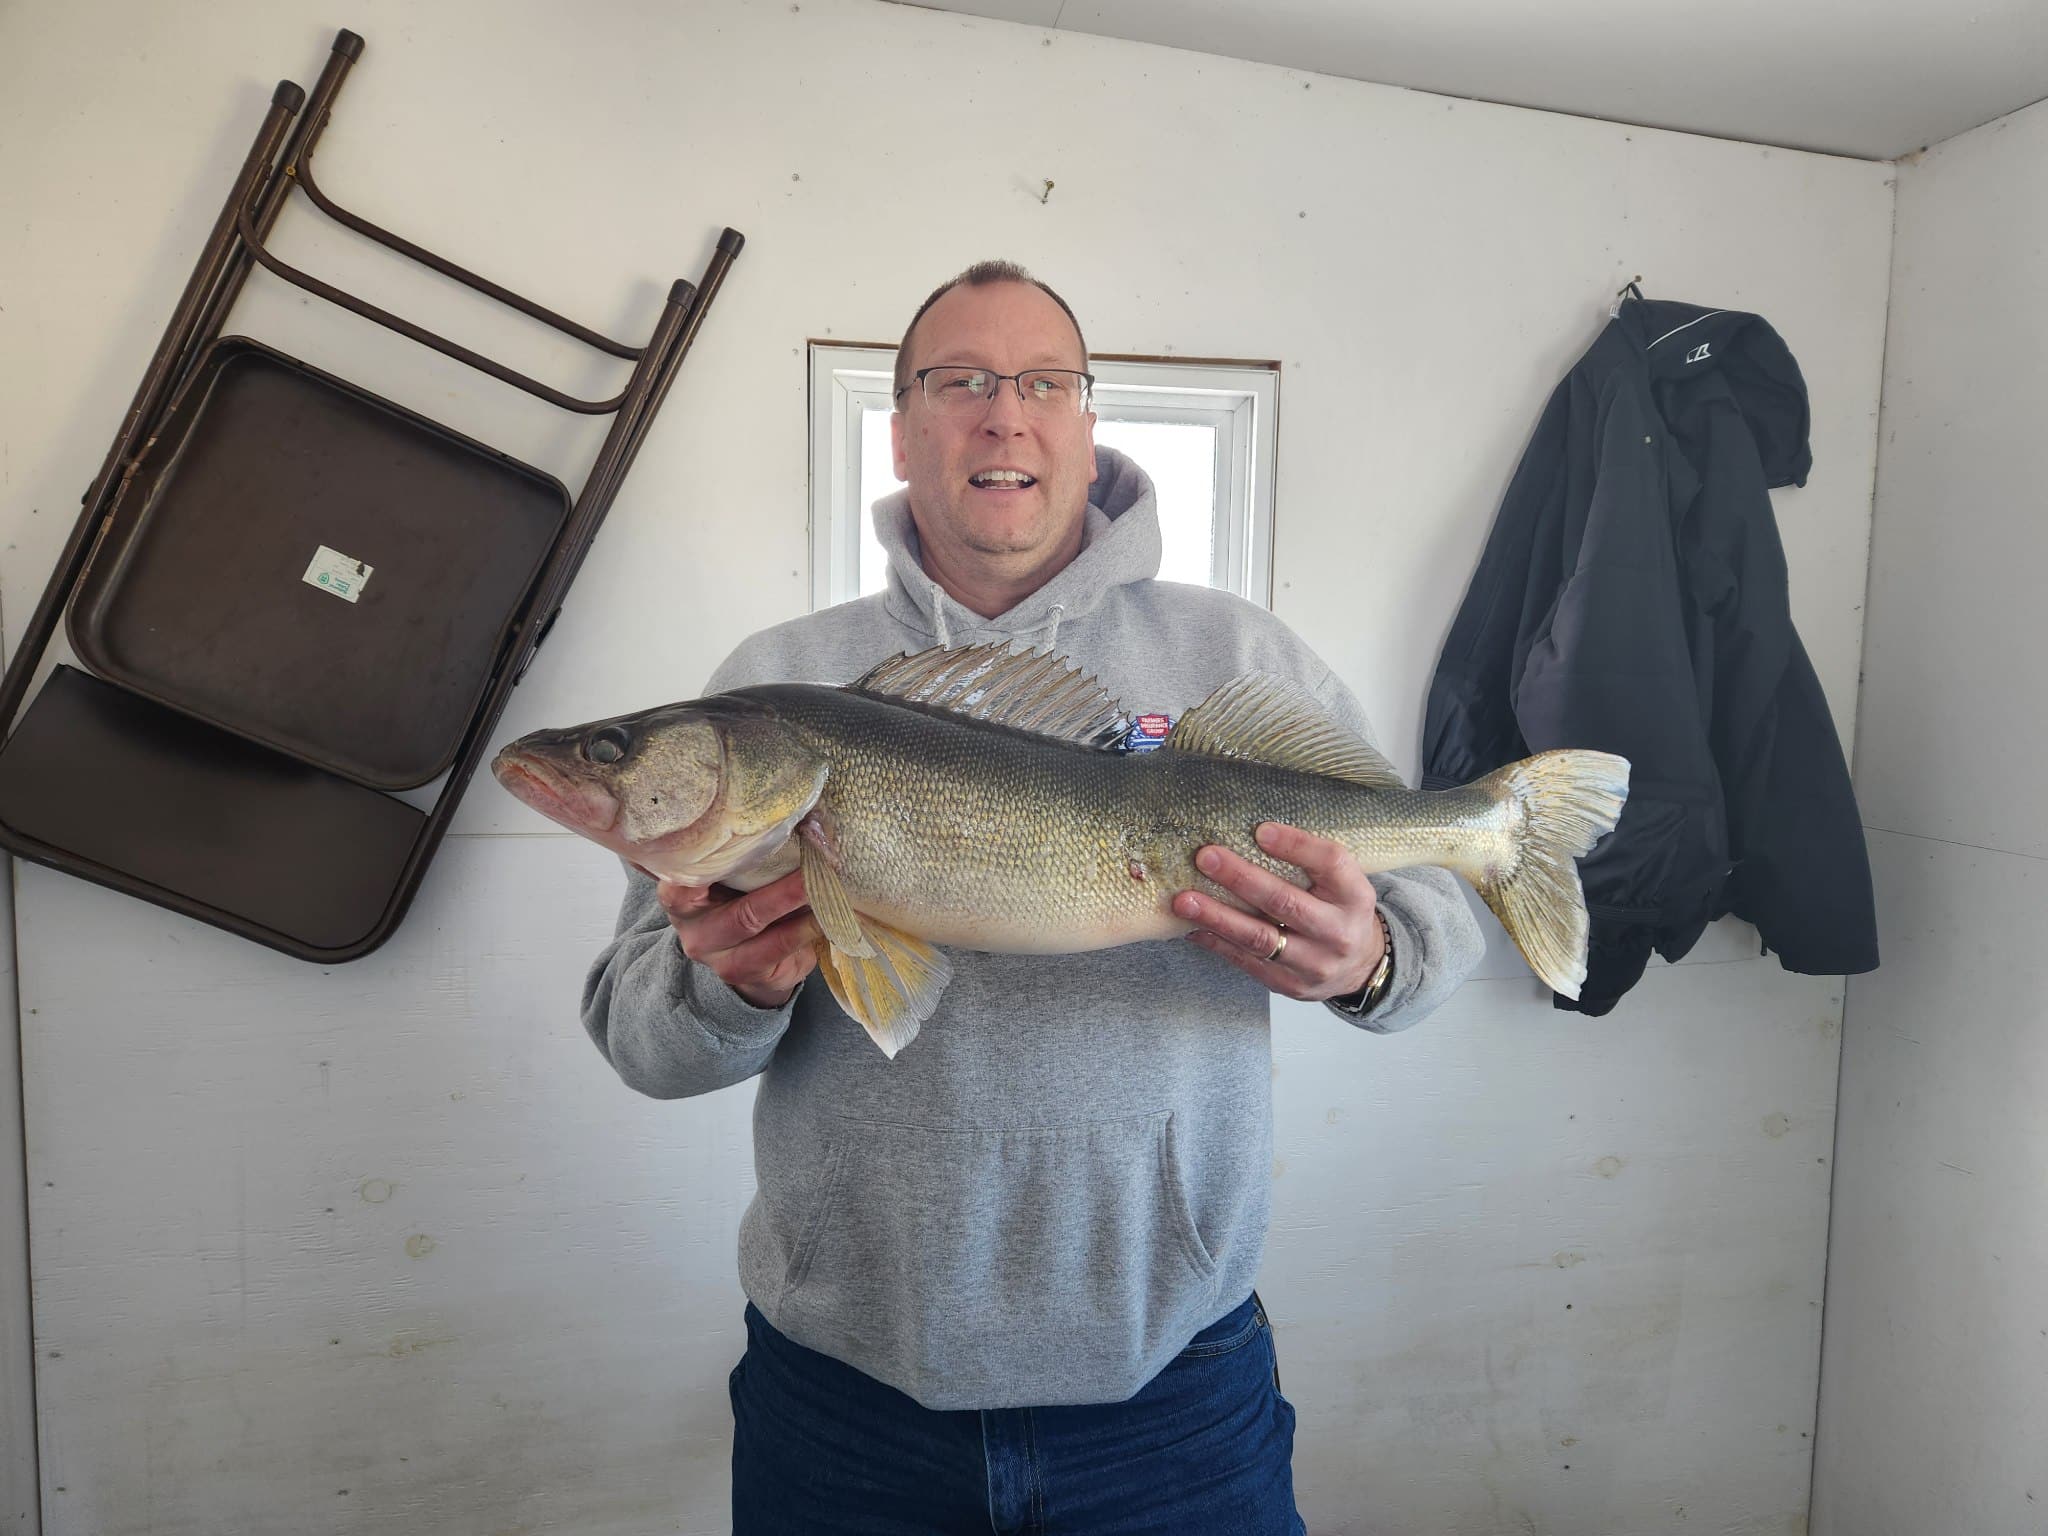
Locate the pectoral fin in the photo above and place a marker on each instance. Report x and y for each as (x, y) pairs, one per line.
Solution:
(888, 981)
(826, 893)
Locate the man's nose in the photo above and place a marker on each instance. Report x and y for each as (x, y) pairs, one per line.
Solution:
(1005, 414)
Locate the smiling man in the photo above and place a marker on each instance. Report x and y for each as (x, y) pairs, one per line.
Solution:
(999, 475)
(1004, 1281)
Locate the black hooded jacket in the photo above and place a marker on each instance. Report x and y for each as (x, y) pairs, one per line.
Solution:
(1632, 597)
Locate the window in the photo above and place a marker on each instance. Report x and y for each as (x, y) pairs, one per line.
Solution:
(1204, 432)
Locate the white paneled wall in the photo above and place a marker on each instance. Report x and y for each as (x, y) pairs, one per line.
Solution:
(19, 1506)
(396, 1230)
(1934, 1407)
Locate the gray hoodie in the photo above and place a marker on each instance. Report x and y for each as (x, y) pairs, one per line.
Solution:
(1066, 1175)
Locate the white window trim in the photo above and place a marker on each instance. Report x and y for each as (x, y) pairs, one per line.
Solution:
(845, 383)
(1240, 400)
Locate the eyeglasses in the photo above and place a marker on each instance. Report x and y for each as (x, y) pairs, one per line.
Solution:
(956, 391)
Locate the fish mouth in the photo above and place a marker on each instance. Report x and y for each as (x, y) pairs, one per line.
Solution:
(574, 802)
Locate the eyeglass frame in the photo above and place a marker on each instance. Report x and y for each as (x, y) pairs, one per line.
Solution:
(1016, 381)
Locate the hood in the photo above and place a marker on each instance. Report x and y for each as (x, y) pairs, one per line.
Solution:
(1119, 545)
(1683, 344)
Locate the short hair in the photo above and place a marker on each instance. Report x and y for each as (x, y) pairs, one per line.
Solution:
(980, 275)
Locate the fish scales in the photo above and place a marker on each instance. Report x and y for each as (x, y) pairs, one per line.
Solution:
(991, 838)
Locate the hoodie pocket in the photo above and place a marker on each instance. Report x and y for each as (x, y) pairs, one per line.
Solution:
(982, 1258)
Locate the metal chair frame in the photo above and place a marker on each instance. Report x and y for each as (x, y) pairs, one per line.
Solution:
(279, 159)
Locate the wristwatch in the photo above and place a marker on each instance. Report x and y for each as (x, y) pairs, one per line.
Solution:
(1367, 997)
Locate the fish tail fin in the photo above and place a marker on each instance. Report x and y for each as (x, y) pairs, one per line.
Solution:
(1565, 802)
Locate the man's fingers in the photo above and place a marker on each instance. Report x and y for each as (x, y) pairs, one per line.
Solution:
(1331, 869)
(1303, 965)
(1279, 901)
(679, 900)
(787, 977)
(1326, 929)
(1272, 977)
(754, 912)
(713, 919)
(798, 930)
(800, 963)
(767, 969)
(769, 954)
(761, 944)
(1254, 932)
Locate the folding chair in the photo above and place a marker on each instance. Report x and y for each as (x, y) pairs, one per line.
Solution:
(295, 597)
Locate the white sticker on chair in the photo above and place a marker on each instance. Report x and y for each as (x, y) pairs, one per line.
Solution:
(332, 571)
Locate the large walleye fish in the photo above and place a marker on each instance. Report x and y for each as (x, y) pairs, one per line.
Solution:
(979, 798)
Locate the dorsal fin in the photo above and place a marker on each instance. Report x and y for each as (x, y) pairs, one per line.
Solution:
(1268, 720)
(1026, 690)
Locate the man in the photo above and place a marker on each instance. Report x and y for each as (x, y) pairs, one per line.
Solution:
(1004, 1281)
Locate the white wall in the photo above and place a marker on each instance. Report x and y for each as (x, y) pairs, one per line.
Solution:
(396, 1230)
(1934, 1408)
(18, 1502)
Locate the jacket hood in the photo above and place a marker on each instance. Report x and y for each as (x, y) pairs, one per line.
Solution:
(1120, 544)
(1682, 343)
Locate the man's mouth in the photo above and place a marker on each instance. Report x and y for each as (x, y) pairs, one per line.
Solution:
(1001, 480)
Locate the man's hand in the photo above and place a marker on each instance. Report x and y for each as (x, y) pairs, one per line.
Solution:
(1313, 944)
(760, 944)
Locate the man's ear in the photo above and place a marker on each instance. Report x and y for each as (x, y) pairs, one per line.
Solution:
(899, 461)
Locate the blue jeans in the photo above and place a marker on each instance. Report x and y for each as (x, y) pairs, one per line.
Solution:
(1204, 1449)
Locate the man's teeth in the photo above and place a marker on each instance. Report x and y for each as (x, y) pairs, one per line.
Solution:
(1001, 477)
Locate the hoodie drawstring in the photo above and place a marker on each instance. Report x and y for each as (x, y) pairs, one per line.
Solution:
(945, 633)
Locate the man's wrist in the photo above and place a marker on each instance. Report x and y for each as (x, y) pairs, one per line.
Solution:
(1367, 997)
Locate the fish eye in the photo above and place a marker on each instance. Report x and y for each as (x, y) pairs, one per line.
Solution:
(607, 745)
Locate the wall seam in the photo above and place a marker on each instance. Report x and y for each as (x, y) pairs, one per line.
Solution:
(1899, 171)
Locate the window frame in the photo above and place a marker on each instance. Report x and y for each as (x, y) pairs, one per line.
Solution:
(1238, 397)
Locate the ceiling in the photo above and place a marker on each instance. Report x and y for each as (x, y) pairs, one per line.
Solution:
(1875, 79)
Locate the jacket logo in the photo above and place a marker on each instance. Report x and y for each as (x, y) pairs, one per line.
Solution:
(1699, 353)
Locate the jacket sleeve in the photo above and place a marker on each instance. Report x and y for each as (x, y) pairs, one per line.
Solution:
(1612, 666)
(668, 1025)
(1469, 726)
(1801, 871)
(1437, 940)
(1804, 880)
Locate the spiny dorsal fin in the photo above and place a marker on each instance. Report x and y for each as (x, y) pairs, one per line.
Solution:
(1268, 720)
(1027, 690)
